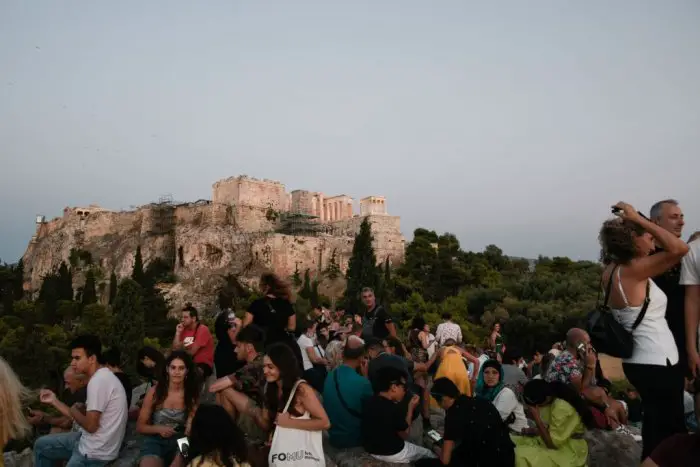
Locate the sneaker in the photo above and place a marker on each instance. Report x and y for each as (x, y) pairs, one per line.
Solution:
(624, 431)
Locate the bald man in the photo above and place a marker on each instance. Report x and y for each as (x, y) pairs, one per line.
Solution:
(576, 365)
(344, 393)
(75, 392)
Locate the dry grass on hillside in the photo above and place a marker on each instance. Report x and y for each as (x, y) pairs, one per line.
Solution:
(612, 367)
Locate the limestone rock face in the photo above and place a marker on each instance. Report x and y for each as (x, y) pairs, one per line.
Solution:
(206, 241)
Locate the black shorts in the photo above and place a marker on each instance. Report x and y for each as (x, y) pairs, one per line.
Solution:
(205, 370)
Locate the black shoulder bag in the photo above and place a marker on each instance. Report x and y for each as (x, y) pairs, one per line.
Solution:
(352, 412)
(607, 334)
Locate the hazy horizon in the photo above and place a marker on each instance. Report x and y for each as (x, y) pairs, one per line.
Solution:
(511, 124)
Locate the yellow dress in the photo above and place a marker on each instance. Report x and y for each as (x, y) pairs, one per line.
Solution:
(452, 367)
(564, 425)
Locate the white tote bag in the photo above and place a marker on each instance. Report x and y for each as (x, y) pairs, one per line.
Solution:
(296, 448)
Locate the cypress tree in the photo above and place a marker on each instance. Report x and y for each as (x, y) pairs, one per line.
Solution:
(65, 282)
(18, 281)
(89, 293)
(138, 273)
(305, 291)
(112, 287)
(128, 324)
(362, 269)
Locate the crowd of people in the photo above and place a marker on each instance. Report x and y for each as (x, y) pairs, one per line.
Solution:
(286, 387)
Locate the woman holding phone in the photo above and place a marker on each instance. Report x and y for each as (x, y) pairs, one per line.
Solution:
(626, 243)
(167, 410)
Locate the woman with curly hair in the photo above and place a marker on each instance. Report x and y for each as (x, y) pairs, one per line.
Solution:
(13, 423)
(653, 368)
(167, 411)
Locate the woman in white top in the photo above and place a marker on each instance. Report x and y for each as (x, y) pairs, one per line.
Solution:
(490, 387)
(314, 357)
(653, 367)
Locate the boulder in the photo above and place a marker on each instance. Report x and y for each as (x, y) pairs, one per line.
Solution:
(611, 449)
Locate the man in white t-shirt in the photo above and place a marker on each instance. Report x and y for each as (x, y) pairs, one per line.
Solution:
(690, 278)
(102, 420)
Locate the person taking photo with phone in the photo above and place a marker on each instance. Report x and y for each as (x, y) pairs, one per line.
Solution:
(653, 369)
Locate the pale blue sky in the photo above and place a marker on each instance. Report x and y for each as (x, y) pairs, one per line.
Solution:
(514, 123)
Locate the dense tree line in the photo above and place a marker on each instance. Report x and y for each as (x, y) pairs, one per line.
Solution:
(536, 302)
(35, 333)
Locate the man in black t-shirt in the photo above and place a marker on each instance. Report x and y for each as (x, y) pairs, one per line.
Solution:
(384, 426)
(376, 322)
(475, 434)
(668, 214)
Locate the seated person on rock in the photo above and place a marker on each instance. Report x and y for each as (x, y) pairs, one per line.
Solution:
(381, 355)
(103, 424)
(248, 380)
(576, 365)
(474, 434)
(561, 418)
(75, 392)
(344, 394)
(167, 411)
(385, 427)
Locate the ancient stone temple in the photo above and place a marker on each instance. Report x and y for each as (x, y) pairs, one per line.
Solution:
(247, 227)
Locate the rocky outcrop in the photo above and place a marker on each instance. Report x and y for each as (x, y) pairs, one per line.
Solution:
(205, 241)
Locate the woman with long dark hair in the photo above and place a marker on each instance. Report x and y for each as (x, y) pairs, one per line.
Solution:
(653, 368)
(216, 440)
(281, 375)
(561, 418)
(167, 410)
(273, 312)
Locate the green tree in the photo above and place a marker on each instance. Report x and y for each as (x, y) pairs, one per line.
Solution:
(305, 291)
(333, 269)
(128, 326)
(138, 274)
(89, 293)
(18, 280)
(113, 283)
(296, 277)
(314, 297)
(96, 320)
(362, 269)
(65, 282)
(48, 298)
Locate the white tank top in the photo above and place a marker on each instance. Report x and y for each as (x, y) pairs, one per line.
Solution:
(653, 341)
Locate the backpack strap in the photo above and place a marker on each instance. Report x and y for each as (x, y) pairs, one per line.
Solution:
(351, 411)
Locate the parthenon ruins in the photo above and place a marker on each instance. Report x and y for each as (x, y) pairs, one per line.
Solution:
(243, 190)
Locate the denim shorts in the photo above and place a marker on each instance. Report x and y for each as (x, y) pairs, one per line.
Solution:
(157, 446)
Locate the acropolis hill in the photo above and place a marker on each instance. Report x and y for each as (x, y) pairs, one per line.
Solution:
(248, 227)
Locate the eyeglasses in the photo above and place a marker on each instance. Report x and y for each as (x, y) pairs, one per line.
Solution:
(399, 383)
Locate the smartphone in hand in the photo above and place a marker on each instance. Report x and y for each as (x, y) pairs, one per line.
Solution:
(183, 445)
